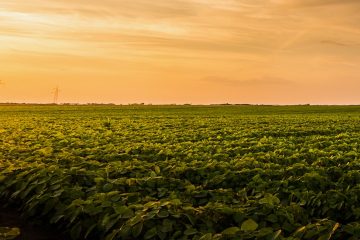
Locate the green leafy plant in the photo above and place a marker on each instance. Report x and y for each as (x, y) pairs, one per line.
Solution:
(184, 172)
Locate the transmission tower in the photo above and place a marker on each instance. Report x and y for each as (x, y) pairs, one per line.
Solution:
(56, 95)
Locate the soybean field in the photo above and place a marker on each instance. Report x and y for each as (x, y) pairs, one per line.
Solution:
(184, 172)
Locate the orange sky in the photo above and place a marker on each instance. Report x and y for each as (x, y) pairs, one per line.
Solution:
(181, 51)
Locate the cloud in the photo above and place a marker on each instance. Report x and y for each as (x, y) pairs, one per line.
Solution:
(257, 82)
(313, 2)
(107, 8)
(337, 43)
(194, 26)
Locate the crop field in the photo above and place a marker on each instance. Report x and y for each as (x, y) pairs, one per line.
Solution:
(185, 172)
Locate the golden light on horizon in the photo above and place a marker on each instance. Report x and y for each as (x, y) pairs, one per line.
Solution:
(181, 51)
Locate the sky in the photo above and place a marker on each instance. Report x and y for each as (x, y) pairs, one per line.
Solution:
(180, 51)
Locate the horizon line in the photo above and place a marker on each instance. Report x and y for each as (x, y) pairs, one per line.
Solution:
(168, 104)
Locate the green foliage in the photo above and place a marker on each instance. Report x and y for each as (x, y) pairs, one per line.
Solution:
(249, 225)
(231, 172)
(7, 233)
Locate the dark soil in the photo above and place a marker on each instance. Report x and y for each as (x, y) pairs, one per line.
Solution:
(10, 217)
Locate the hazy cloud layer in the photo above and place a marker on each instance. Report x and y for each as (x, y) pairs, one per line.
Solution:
(139, 43)
(314, 2)
(255, 82)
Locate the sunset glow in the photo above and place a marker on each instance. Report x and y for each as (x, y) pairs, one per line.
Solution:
(181, 51)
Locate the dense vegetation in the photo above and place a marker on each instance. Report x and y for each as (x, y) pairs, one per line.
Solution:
(182, 172)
